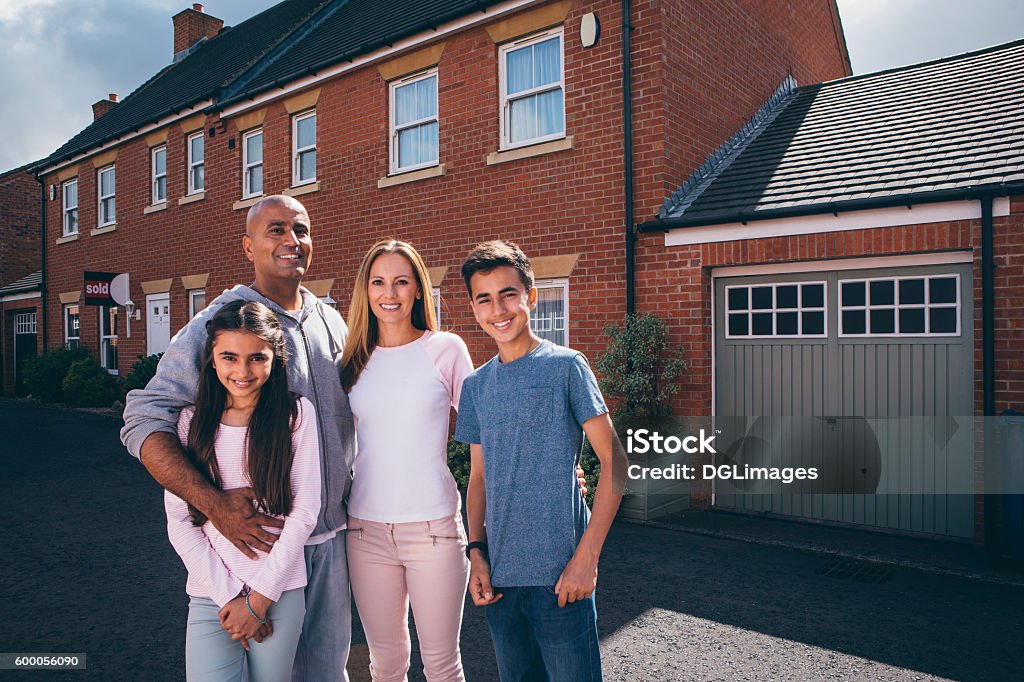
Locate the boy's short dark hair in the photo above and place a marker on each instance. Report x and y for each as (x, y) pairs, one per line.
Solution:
(495, 254)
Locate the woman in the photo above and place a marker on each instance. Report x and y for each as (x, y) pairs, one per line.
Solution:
(406, 542)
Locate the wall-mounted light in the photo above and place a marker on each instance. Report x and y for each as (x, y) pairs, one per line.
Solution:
(590, 29)
(53, 192)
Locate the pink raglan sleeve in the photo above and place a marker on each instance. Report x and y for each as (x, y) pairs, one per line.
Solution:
(451, 357)
(286, 556)
(204, 565)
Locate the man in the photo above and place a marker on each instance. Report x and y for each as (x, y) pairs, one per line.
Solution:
(277, 242)
(524, 414)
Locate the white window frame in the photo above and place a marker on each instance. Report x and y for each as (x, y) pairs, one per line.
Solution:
(106, 197)
(107, 340)
(563, 285)
(297, 152)
(193, 164)
(505, 104)
(395, 130)
(25, 323)
(193, 294)
(247, 192)
(157, 176)
(69, 211)
(435, 296)
(800, 309)
(896, 306)
(68, 338)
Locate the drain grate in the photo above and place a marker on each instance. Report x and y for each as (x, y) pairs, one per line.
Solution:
(857, 570)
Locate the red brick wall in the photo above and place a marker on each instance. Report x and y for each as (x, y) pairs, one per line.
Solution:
(19, 226)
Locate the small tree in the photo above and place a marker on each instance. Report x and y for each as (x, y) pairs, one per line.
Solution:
(89, 385)
(44, 374)
(640, 367)
(143, 370)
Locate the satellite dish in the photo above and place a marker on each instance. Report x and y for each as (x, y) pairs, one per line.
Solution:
(119, 287)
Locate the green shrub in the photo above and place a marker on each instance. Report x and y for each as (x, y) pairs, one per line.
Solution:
(89, 385)
(44, 374)
(640, 368)
(458, 462)
(143, 370)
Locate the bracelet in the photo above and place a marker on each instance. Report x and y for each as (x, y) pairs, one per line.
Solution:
(263, 621)
(482, 546)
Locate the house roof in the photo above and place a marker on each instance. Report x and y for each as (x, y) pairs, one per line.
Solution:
(281, 44)
(942, 129)
(31, 282)
(212, 66)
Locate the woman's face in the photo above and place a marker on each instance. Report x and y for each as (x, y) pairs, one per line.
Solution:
(392, 289)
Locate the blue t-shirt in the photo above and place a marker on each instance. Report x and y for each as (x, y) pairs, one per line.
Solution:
(527, 415)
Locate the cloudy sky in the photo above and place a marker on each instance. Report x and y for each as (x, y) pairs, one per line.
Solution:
(60, 56)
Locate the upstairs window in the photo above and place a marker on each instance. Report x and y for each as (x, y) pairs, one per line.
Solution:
(414, 122)
(196, 163)
(304, 148)
(159, 175)
(252, 164)
(532, 90)
(106, 184)
(69, 191)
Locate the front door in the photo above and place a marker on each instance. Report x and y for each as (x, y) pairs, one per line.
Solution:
(158, 323)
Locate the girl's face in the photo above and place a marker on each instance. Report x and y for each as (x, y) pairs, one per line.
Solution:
(392, 289)
(243, 362)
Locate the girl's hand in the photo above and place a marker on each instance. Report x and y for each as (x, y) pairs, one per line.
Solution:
(236, 619)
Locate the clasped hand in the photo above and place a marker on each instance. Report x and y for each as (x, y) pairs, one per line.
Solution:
(241, 625)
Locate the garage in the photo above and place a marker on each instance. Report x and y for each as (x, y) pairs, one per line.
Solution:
(881, 339)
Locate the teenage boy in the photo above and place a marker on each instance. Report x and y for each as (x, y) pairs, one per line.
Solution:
(524, 414)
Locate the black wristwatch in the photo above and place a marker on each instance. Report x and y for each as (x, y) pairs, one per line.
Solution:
(482, 546)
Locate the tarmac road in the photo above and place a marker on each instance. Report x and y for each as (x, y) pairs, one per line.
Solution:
(86, 568)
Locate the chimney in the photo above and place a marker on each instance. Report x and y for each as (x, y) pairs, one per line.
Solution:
(103, 106)
(191, 26)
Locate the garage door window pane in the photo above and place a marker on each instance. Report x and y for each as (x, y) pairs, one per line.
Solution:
(738, 299)
(814, 323)
(813, 295)
(786, 324)
(882, 293)
(883, 321)
(762, 323)
(738, 325)
(786, 297)
(912, 321)
(942, 290)
(853, 294)
(762, 298)
(911, 291)
(853, 322)
(943, 320)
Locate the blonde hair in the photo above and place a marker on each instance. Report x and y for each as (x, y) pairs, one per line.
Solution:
(362, 323)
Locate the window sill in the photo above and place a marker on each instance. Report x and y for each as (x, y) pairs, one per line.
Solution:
(103, 230)
(411, 176)
(308, 188)
(531, 150)
(245, 203)
(191, 198)
(68, 238)
(155, 208)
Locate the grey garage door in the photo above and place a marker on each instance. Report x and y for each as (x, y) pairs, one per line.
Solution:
(883, 345)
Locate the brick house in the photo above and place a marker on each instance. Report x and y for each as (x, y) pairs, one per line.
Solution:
(20, 277)
(858, 252)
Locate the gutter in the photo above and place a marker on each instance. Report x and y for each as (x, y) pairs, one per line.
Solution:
(834, 208)
(627, 151)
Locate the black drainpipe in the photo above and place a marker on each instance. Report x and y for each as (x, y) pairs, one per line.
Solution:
(42, 259)
(988, 341)
(627, 122)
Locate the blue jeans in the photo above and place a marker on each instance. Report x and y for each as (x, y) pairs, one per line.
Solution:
(212, 656)
(323, 648)
(534, 640)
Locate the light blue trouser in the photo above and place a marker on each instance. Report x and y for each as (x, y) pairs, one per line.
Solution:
(212, 656)
(327, 632)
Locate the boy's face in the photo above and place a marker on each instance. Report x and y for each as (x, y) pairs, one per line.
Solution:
(501, 304)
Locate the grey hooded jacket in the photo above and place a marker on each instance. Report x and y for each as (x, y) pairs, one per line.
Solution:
(316, 337)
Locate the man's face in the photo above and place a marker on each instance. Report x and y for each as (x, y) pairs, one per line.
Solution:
(501, 304)
(278, 244)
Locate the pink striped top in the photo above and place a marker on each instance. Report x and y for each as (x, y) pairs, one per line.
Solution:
(216, 569)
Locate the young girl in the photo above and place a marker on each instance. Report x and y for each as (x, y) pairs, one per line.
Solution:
(246, 430)
(406, 543)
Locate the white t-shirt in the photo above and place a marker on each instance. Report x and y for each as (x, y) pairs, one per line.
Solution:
(401, 405)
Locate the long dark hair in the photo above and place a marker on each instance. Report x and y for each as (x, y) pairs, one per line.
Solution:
(269, 439)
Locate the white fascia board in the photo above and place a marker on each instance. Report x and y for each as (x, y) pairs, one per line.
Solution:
(20, 297)
(110, 144)
(478, 17)
(867, 263)
(918, 214)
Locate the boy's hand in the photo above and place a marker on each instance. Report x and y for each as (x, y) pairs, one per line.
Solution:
(480, 582)
(581, 478)
(578, 579)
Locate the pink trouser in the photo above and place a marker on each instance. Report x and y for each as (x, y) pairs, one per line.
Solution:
(422, 563)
